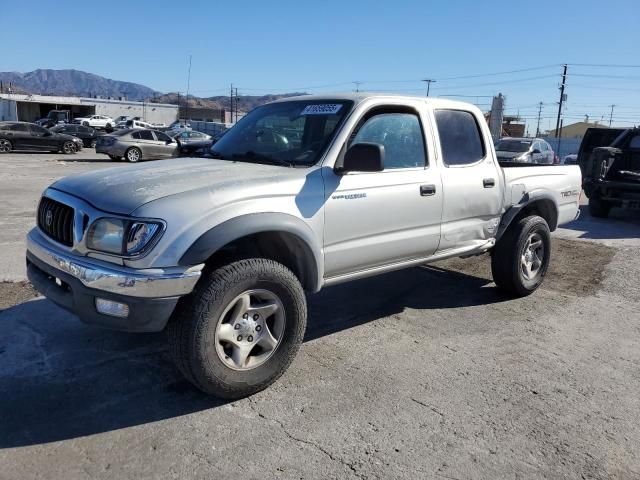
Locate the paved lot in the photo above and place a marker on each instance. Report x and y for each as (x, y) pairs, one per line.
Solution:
(423, 373)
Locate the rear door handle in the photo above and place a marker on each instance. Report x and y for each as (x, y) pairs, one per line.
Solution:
(427, 190)
(489, 182)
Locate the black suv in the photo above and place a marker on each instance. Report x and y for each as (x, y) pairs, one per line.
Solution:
(610, 164)
(28, 136)
(88, 135)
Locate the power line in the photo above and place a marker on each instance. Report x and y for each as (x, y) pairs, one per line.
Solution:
(478, 75)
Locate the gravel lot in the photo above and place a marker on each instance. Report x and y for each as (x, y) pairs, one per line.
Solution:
(422, 373)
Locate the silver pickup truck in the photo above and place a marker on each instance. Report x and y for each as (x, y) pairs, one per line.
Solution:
(302, 193)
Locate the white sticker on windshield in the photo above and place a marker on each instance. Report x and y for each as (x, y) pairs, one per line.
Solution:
(322, 109)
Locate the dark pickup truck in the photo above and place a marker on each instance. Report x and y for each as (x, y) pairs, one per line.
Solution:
(610, 162)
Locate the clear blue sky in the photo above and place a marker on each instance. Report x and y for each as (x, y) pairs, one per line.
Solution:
(280, 46)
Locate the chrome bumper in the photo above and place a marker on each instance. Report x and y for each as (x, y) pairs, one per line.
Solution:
(147, 283)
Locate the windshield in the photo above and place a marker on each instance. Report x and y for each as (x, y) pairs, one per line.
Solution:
(513, 145)
(294, 133)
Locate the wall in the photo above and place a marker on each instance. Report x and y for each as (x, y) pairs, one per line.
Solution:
(567, 145)
(7, 110)
(210, 128)
(151, 112)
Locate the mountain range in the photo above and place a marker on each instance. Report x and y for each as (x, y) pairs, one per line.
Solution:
(84, 84)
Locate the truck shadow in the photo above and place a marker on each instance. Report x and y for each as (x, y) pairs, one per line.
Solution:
(620, 224)
(61, 380)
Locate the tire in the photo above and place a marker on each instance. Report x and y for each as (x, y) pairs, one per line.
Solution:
(93, 143)
(513, 253)
(195, 329)
(599, 208)
(86, 124)
(68, 148)
(133, 155)
(5, 145)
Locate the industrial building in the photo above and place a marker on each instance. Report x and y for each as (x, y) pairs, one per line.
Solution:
(29, 108)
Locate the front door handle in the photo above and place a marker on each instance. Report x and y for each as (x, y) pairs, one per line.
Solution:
(427, 190)
(489, 182)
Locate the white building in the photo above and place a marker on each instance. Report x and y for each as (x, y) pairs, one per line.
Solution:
(29, 108)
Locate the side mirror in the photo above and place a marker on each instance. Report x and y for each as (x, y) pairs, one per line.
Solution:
(363, 157)
(535, 150)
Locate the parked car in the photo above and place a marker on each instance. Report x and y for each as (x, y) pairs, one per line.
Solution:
(95, 121)
(129, 124)
(524, 150)
(611, 171)
(137, 144)
(178, 126)
(227, 246)
(29, 136)
(571, 159)
(54, 117)
(191, 142)
(120, 118)
(88, 135)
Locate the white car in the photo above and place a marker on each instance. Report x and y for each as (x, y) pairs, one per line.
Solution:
(95, 121)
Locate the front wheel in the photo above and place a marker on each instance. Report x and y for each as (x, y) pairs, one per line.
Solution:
(520, 259)
(133, 154)
(599, 208)
(68, 148)
(5, 145)
(240, 329)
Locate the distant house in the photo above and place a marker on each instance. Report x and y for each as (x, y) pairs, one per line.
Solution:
(574, 130)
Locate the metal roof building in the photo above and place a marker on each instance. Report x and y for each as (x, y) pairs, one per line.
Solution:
(29, 108)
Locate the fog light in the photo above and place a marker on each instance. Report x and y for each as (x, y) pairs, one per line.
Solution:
(115, 309)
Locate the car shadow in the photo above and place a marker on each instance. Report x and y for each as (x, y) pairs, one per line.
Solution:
(60, 379)
(76, 159)
(620, 224)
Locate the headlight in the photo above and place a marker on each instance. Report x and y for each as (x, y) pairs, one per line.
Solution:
(122, 237)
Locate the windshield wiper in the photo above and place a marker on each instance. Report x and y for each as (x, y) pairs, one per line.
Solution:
(252, 156)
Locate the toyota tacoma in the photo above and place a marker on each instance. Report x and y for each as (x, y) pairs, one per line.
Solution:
(300, 194)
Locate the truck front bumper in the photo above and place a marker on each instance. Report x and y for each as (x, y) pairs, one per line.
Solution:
(75, 283)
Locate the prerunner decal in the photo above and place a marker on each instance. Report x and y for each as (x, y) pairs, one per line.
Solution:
(322, 109)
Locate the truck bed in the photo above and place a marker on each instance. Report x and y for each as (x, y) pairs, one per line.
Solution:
(561, 184)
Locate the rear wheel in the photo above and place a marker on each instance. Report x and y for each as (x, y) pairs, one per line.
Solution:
(86, 124)
(240, 329)
(599, 208)
(520, 259)
(68, 147)
(5, 145)
(133, 154)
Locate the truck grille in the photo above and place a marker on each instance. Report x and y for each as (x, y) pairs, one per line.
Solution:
(55, 219)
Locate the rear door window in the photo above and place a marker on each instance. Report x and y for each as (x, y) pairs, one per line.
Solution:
(460, 137)
(162, 137)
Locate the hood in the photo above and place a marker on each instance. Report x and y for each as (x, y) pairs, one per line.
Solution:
(123, 189)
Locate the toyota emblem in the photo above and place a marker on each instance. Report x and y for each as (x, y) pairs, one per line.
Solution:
(48, 219)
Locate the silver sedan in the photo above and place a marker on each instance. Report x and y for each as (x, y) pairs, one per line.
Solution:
(136, 145)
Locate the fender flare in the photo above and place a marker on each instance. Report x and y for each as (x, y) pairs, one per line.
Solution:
(527, 200)
(226, 232)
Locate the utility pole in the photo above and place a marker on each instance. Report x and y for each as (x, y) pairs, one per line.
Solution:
(237, 105)
(231, 105)
(357, 84)
(611, 116)
(539, 114)
(188, 87)
(564, 79)
(428, 81)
